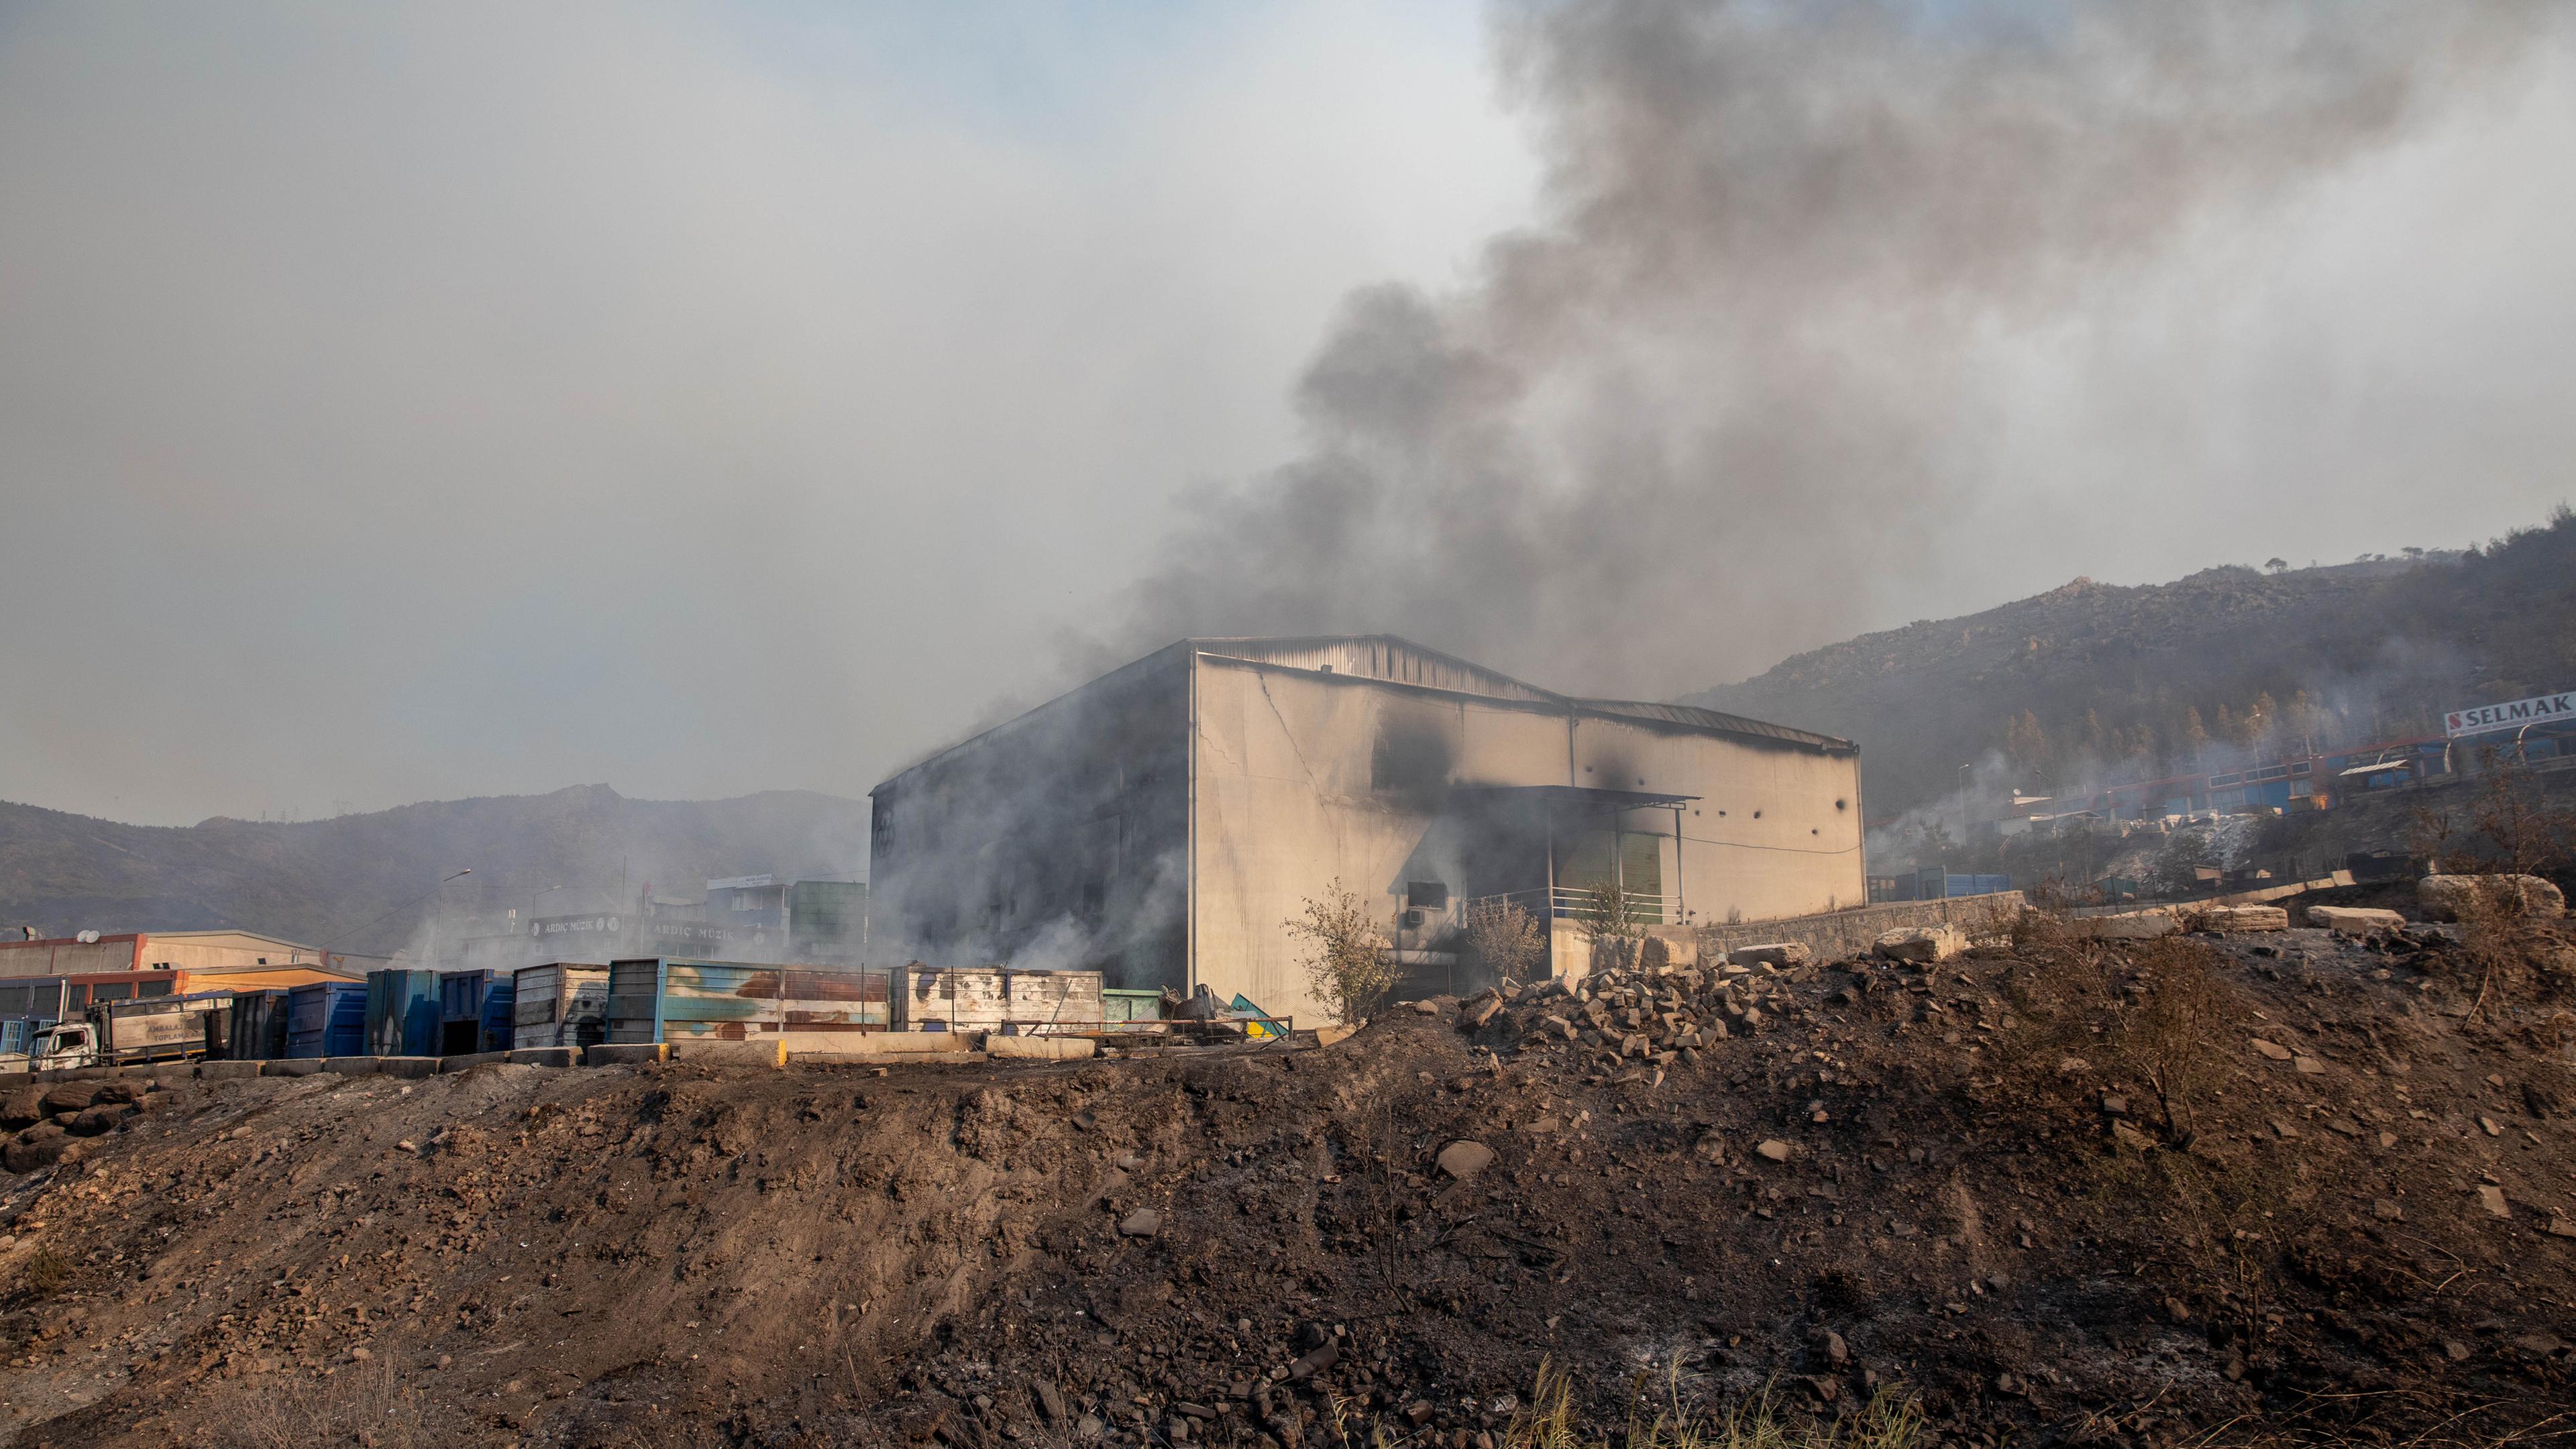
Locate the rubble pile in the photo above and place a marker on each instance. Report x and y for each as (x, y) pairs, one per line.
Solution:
(47, 1120)
(1648, 1016)
(1821, 1182)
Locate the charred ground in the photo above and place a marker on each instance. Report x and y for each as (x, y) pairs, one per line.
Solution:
(1972, 1195)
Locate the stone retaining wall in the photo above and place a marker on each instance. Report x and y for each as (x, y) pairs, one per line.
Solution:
(1838, 934)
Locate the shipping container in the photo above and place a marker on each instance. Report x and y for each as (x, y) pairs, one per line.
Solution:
(564, 1004)
(326, 1019)
(474, 1009)
(1002, 998)
(403, 1013)
(666, 999)
(258, 1026)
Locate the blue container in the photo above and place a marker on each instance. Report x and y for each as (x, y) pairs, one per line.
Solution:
(403, 1016)
(475, 1010)
(326, 1019)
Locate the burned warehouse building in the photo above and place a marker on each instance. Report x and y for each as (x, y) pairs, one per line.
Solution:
(1161, 824)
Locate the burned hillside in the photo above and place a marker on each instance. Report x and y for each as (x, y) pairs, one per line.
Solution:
(2056, 1190)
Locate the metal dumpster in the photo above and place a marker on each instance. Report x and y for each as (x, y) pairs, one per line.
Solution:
(259, 1025)
(667, 999)
(564, 1003)
(326, 1019)
(474, 1012)
(403, 1015)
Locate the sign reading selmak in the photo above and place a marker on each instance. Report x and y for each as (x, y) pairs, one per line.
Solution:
(2540, 709)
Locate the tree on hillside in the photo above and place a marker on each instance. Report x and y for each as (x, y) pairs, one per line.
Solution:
(2026, 744)
(2276, 565)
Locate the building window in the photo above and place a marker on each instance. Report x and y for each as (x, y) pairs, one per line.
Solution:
(1426, 895)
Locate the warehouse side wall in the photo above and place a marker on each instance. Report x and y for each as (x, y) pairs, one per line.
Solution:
(1304, 778)
(1056, 841)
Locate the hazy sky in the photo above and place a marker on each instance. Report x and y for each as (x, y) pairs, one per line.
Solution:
(415, 401)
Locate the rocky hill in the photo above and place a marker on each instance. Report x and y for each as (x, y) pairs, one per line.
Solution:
(354, 882)
(2093, 677)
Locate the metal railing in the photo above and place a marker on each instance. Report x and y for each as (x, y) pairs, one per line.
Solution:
(1572, 903)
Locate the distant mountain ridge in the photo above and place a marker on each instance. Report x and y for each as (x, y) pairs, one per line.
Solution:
(2092, 677)
(347, 882)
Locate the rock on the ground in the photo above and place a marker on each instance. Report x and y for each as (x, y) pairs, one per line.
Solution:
(36, 1147)
(2445, 897)
(2354, 920)
(1463, 1160)
(2238, 919)
(1920, 943)
(1658, 954)
(1774, 1150)
(64, 1098)
(1774, 953)
(22, 1107)
(1142, 1223)
(2127, 926)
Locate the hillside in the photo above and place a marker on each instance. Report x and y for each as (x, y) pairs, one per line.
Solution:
(325, 881)
(2093, 677)
(2306, 1190)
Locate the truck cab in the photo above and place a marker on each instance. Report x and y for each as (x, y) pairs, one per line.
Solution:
(63, 1045)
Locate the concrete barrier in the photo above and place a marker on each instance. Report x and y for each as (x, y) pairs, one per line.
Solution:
(716, 1052)
(884, 1059)
(544, 1056)
(2130, 926)
(816, 1045)
(410, 1068)
(354, 1066)
(2236, 920)
(1039, 1048)
(470, 1060)
(291, 1067)
(2354, 920)
(624, 1054)
(225, 1071)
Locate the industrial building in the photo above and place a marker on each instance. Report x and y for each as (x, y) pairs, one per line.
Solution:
(242, 953)
(1163, 823)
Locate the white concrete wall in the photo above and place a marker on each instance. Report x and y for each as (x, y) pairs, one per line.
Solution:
(1285, 802)
(1775, 832)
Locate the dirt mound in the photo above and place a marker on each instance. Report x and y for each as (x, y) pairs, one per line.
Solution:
(2063, 1192)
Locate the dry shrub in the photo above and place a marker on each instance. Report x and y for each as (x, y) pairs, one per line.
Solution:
(1505, 940)
(2170, 1038)
(2153, 1012)
(46, 1272)
(1348, 968)
(359, 1405)
(1891, 1419)
(2510, 951)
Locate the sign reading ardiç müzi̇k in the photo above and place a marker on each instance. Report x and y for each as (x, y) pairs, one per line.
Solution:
(2539, 709)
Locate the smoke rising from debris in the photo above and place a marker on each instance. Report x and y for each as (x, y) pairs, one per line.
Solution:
(1766, 351)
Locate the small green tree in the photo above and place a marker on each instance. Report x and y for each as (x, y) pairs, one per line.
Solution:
(1612, 919)
(1505, 939)
(1348, 968)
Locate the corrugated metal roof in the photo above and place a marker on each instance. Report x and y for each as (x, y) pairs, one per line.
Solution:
(1401, 661)
(1709, 719)
(1379, 656)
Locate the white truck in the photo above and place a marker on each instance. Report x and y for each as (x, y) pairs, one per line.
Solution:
(119, 1033)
